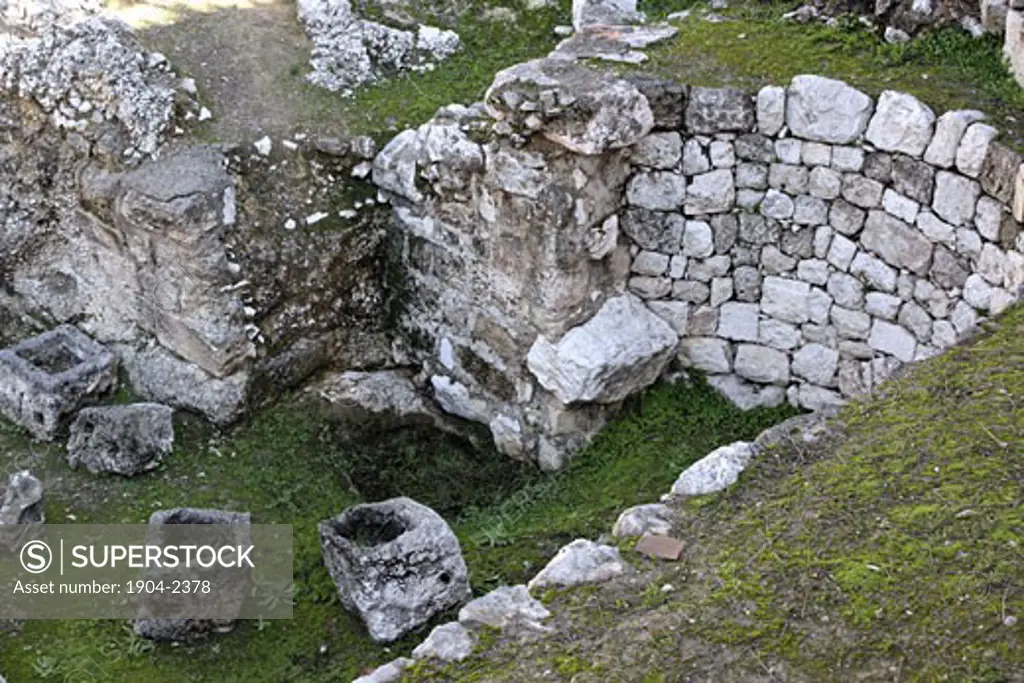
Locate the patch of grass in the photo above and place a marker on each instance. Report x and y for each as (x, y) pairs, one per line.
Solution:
(889, 551)
(408, 99)
(291, 466)
(911, 532)
(633, 462)
(288, 467)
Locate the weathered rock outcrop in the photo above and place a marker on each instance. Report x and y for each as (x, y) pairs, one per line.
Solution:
(178, 258)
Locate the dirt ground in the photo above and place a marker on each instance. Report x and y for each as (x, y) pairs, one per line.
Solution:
(248, 58)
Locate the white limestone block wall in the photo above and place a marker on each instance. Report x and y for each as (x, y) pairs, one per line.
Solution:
(807, 241)
(565, 239)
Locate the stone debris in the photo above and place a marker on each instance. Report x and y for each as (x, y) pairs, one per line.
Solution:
(36, 15)
(44, 380)
(124, 439)
(714, 472)
(349, 51)
(580, 562)
(800, 430)
(22, 503)
(396, 563)
(613, 43)
(503, 608)
(640, 520)
(387, 673)
(264, 146)
(86, 73)
(449, 642)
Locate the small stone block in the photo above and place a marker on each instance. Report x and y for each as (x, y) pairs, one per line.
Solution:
(45, 379)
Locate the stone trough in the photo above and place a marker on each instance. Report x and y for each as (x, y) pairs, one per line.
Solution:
(397, 563)
(44, 380)
(230, 597)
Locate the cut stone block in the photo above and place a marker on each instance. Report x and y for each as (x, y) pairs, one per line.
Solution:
(126, 439)
(44, 380)
(231, 593)
(397, 563)
(660, 547)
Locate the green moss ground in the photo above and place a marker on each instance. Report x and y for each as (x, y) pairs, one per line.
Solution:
(289, 466)
(891, 551)
(947, 69)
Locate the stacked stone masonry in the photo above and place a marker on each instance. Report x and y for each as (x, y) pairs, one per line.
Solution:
(801, 243)
(813, 253)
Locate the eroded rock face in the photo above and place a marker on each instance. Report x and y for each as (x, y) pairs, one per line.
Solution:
(511, 205)
(619, 351)
(396, 563)
(123, 439)
(578, 108)
(87, 71)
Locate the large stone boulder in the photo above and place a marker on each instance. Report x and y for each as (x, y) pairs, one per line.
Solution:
(619, 351)
(581, 109)
(716, 471)
(44, 380)
(397, 563)
(126, 439)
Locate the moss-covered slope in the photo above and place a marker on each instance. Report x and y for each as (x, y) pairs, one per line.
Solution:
(891, 551)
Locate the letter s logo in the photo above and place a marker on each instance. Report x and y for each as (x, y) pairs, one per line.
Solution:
(36, 557)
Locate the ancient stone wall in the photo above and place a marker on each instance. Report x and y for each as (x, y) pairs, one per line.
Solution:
(801, 242)
(1013, 45)
(842, 238)
(177, 256)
